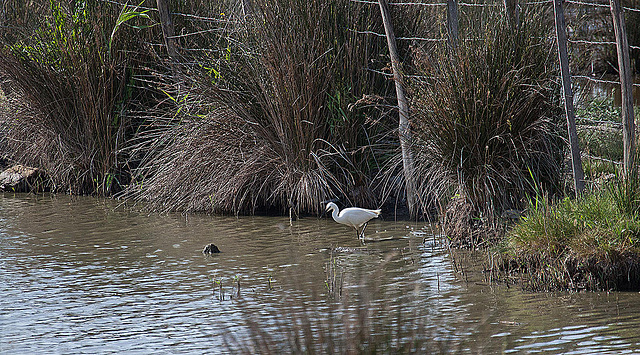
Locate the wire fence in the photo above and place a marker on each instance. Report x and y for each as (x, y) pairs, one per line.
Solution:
(580, 44)
(571, 21)
(587, 42)
(216, 24)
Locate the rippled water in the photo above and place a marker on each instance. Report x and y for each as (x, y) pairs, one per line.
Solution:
(84, 275)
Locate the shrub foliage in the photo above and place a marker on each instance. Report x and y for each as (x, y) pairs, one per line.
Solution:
(70, 89)
(486, 116)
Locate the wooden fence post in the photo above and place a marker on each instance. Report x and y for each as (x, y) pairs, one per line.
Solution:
(513, 12)
(404, 130)
(626, 88)
(167, 27)
(561, 36)
(452, 23)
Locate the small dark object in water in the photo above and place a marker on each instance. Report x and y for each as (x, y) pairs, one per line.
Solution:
(210, 249)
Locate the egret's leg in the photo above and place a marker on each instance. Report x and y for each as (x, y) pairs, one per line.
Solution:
(363, 228)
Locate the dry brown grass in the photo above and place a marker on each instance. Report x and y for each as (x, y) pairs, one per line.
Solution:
(68, 95)
(486, 118)
(272, 124)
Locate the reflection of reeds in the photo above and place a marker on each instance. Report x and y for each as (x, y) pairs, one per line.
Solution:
(335, 277)
(351, 330)
(353, 322)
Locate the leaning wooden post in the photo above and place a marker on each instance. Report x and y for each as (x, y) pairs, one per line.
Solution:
(626, 87)
(561, 36)
(167, 27)
(404, 130)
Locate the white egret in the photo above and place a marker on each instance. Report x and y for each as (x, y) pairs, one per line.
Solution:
(355, 217)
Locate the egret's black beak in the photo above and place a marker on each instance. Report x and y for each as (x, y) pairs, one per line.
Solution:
(324, 203)
(324, 211)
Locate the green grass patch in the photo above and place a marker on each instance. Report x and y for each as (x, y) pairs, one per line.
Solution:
(592, 242)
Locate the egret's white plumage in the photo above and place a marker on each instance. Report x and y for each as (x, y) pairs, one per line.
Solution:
(355, 217)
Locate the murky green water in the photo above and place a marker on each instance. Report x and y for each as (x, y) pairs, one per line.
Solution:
(83, 275)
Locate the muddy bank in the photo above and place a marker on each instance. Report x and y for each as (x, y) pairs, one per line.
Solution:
(618, 273)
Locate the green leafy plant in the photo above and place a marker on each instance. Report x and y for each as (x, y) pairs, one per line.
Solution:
(127, 14)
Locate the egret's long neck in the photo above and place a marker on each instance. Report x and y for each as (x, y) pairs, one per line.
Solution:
(334, 213)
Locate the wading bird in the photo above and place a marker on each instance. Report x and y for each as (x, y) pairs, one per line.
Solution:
(355, 217)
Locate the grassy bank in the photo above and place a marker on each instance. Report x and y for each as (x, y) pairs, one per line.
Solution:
(592, 242)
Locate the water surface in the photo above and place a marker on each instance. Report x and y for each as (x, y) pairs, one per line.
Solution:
(86, 275)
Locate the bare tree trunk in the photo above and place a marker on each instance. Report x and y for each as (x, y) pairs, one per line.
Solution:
(167, 27)
(452, 23)
(626, 88)
(576, 161)
(404, 130)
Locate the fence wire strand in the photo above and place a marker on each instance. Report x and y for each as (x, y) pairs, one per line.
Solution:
(219, 24)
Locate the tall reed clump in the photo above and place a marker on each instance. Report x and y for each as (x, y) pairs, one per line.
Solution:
(270, 119)
(68, 73)
(486, 121)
